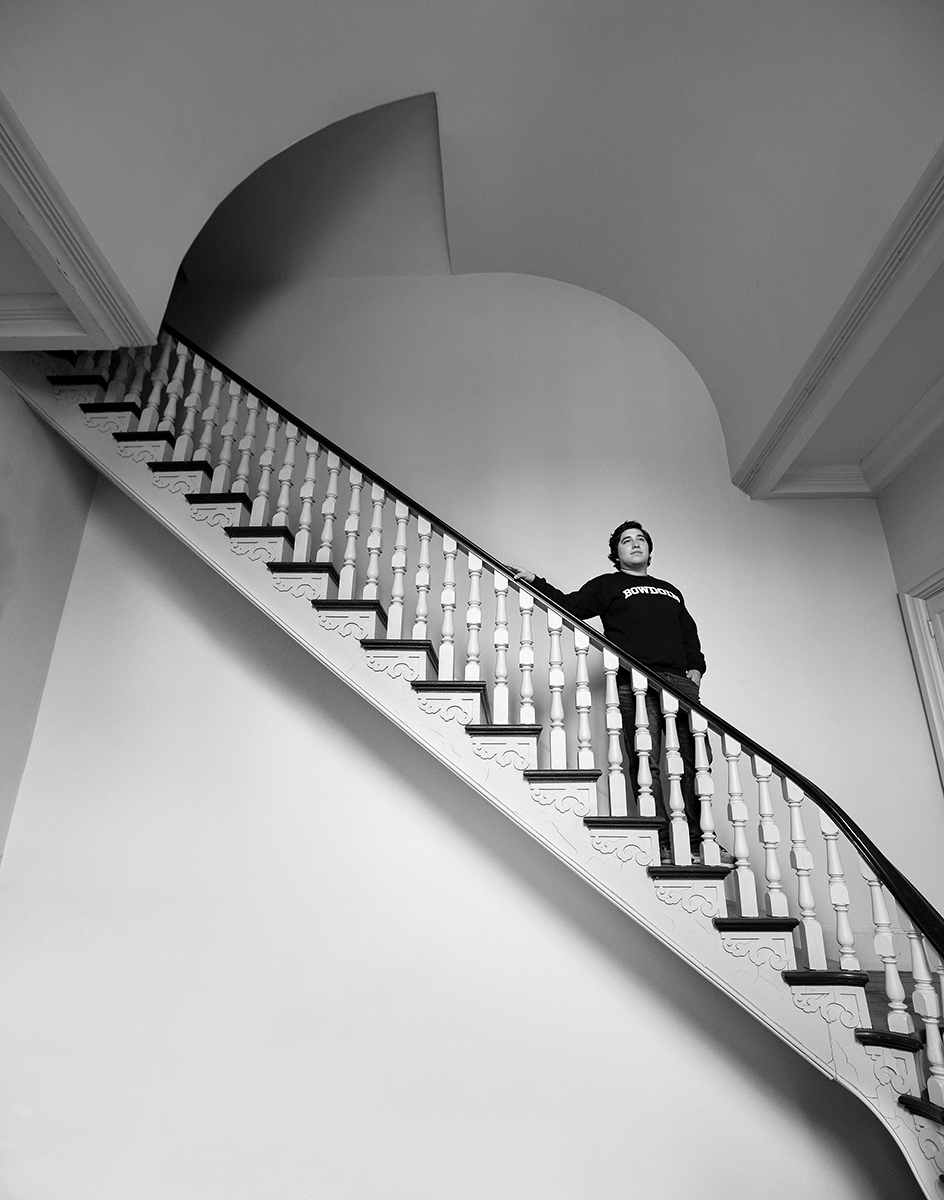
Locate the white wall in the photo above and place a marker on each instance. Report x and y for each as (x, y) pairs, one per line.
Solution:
(256, 943)
(911, 509)
(534, 416)
(45, 490)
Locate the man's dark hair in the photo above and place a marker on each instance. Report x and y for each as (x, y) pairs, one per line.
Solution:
(618, 533)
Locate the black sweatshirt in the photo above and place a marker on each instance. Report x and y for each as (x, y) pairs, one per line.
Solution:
(642, 615)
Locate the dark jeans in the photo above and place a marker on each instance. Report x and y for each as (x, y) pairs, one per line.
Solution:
(689, 690)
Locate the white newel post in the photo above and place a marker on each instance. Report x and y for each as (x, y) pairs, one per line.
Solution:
(286, 476)
(398, 563)
(174, 391)
(221, 476)
(583, 702)
(526, 658)
(347, 579)
(928, 1007)
(473, 620)
(302, 550)
(801, 860)
(642, 745)
(838, 895)
(329, 508)
(159, 377)
(447, 649)
(501, 709)
(210, 414)
(555, 682)
(616, 780)
(246, 444)
(378, 498)
(678, 825)
(183, 447)
(769, 835)
(260, 506)
(737, 815)
(899, 1019)
(704, 790)
(423, 582)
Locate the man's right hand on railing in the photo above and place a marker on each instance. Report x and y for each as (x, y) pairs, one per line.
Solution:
(520, 575)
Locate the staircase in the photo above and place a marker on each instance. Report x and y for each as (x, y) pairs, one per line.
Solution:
(520, 700)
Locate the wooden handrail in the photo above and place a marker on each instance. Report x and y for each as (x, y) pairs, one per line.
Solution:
(924, 915)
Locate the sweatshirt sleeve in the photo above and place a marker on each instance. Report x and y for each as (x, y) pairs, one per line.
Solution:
(694, 659)
(585, 603)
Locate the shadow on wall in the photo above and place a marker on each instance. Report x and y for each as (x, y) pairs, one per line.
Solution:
(362, 197)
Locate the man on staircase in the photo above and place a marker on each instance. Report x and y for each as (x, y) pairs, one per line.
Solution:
(647, 618)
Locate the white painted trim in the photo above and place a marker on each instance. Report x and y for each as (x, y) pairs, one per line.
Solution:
(907, 257)
(927, 664)
(823, 483)
(905, 442)
(35, 320)
(38, 212)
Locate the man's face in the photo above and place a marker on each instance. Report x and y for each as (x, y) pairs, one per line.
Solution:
(632, 550)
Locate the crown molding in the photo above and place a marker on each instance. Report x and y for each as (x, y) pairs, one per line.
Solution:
(35, 207)
(37, 320)
(822, 483)
(898, 449)
(905, 260)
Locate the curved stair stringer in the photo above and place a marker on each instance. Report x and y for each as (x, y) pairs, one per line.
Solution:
(817, 1019)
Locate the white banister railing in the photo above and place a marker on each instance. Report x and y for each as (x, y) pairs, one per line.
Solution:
(540, 666)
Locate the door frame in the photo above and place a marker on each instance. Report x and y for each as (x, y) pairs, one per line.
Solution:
(925, 656)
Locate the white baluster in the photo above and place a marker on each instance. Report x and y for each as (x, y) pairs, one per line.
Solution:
(302, 550)
(642, 745)
(583, 702)
(142, 365)
(616, 780)
(737, 815)
(103, 364)
(679, 838)
(203, 452)
(447, 649)
(84, 364)
(555, 681)
(526, 714)
(775, 900)
(420, 622)
(174, 391)
(348, 575)
(246, 444)
(899, 1019)
(398, 563)
(501, 708)
(927, 1006)
(118, 384)
(839, 895)
(221, 476)
(704, 790)
(286, 476)
(378, 498)
(260, 506)
(159, 376)
(473, 620)
(183, 447)
(329, 509)
(801, 860)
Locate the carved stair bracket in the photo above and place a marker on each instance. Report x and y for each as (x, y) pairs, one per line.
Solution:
(224, 514)
(186, 481)
(260, 548)
(399, 664)
(110, 422)
(452, 706)
(638, 847)
(578, 798)
(895, 1073)
(844, 1006)
(79, 393)
(702, 896)
(764, 949)
(506, 748)
(145, 449)
(310, 585)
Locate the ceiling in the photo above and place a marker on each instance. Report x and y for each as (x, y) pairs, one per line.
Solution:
(762, 182)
